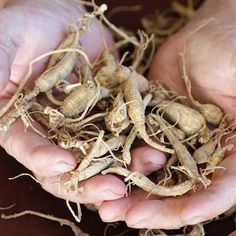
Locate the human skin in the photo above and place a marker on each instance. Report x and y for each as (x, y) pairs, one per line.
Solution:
(28, 29)
(210, 61)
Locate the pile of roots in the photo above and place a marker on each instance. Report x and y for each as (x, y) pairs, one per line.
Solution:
(99, 110)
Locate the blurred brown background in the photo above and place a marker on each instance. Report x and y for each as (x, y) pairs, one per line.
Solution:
(26, 194)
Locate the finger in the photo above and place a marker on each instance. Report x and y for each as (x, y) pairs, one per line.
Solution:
(35, 152)
(190, 209)
(146, 160)
(112, 211)
(94, 190)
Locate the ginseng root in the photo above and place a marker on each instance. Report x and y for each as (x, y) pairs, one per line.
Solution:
(146, 184)
(76, 230)
(136, 110)
(185, 158)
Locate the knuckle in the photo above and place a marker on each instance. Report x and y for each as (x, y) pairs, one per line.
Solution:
(188, 217)
(195, 219)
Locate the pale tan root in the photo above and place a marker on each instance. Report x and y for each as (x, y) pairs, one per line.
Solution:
(113, 143)
(78, 100)
(152, 232)
(66, 43)
(167, 169)
(126, 155)
(187, 11)
(177, 132)
(77, 216)
(117, 119)
(12, 116)
(166, 23)
(203, 153)
(52, 75)
(212, 152)
(216, 158)
(187, 119)
(94, 168)
(26, 174)
(196, 230)
(204, 135)
(83, 99)
(139, 54)
(143, 68)
(60, 71)
(233, 233)
(36, 111)
(158, 96)
(74, 143)
(68, 88)
(93, 152)
(151, 27)
(181, 151)
(76, 230)
(132, 88)
(100, 148)
(106, 74)
(7, 207)
(146, 184)
(77, 124)
(47, 80)
(55, 118)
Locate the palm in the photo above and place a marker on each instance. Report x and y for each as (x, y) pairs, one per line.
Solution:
(210, 65)
(28, 29)
(210, 60)
(31, 33)
(38, 28)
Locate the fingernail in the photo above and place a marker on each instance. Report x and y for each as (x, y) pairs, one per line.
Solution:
(195, 220)
(112, 219)
(62, 167)
(109, 217)
(108, 194)
(138, 224)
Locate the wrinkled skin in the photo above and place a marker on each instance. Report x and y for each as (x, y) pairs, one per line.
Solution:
(210, 59)
(28, 29)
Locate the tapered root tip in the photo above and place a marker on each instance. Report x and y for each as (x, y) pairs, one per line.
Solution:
(103, 7)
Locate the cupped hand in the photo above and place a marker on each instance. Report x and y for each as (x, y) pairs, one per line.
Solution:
(28, 29)
(210, 61)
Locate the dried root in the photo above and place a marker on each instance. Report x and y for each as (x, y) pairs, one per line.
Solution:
(112, 105)
(76, 230)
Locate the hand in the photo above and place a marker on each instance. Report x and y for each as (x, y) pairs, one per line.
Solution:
(210, 59)
(28, 29)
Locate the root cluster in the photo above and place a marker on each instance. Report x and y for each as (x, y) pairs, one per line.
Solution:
(110, 105)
